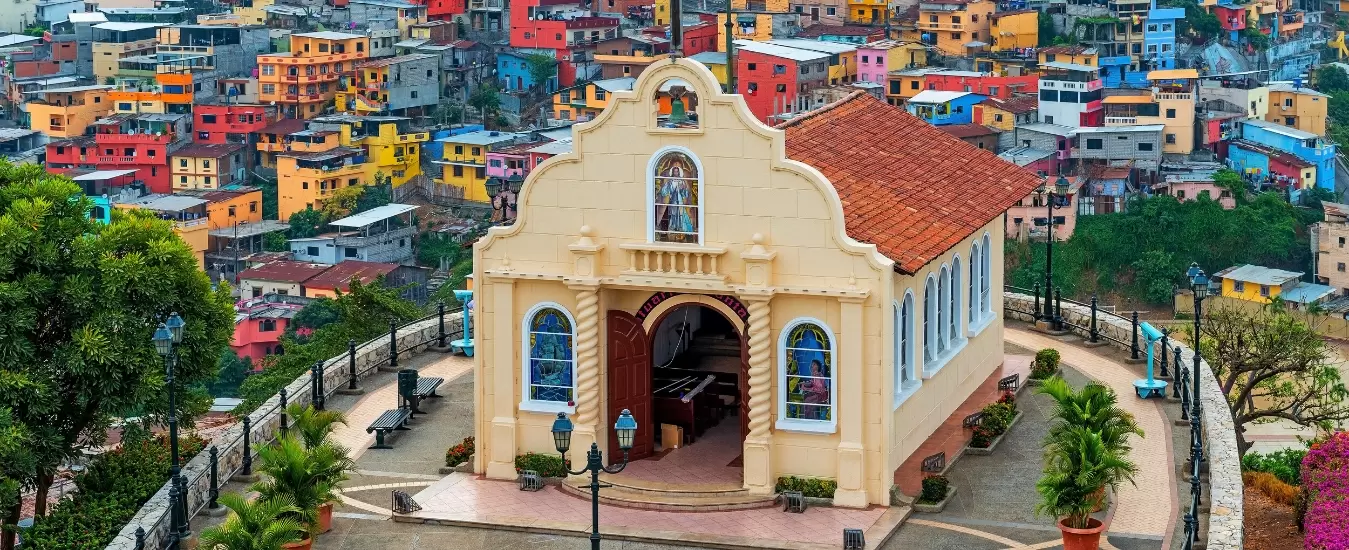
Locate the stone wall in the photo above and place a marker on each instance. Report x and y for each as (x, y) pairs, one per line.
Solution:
(153, 517)
(1225, 488)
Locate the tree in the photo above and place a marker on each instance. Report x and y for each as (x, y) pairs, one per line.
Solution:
(275, 242)
(486, 100)
(1271, 366)
(231, 372)
(17, 464)
(81, 301)
(374, 195)
(1046, 30)
(542, 68)
(339, 203)
(1230, 180)
(1331, 78)
(305, 223)
(316, 315)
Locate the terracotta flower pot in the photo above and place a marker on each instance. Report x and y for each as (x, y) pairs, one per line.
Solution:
(325, 521)
(306, 544)
(1082, 539)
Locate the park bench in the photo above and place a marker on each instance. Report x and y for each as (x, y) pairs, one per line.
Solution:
(412, 388)
(392, 419)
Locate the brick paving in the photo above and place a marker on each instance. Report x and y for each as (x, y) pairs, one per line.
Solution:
(381, 399)
(951, 437)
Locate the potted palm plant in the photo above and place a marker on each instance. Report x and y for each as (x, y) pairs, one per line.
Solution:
(314, 427)
(1078, 468)
(308, 477)
(1096, 408)
(254, 525)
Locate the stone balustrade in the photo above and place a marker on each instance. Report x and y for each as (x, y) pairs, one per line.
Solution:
(153, 517)
(673, 260)
(1224, 462)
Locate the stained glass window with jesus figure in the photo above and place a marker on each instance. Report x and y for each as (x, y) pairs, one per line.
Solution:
(676, 199)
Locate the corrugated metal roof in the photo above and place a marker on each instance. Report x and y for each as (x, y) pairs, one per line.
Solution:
(1306, 293)
(124, 27)
(1257, 275)
(373, 215)
(937, 96)
(103, 175)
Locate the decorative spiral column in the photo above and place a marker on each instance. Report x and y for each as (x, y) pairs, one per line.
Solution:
(760, 373)
(587, 356)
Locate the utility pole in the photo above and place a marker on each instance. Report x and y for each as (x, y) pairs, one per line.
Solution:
(730, 50)
(677, 28)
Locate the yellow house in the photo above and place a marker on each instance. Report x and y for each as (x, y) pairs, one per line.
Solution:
(1170, 103)
(207, 166)
(304, 178)
(230, 206)
(393, 147)
(842, 57)
(756, 26)
(172, 93)
(1012, 30)
(715, 62)
(1007, 114)
(1302, 108)
(1254, 283)
(816, 304)
(465, 161)
(959, 25)
(867, 12)
(1078, 55)
(252, 14)
(661, 13)
(66, 112)
(189, 216)
(115, 41)
(584, 102)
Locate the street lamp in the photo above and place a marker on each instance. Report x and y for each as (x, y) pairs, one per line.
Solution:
(1052, 196)
(503, 192)
(626, 428)
(166, 338)
(1200, 287)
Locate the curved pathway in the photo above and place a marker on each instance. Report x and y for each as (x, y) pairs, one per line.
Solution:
(1149, 506)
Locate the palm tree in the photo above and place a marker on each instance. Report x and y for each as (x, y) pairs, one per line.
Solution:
(307, 476)
(313, 425)
(254, 525)
(1078, 468)
(1095, 408)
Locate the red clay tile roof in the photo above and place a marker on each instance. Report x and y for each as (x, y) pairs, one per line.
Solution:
(912, 190)
(967, 130)
(285, 272)
(1065, 49)
(339, 276)
(816, 31)
(1016, 104)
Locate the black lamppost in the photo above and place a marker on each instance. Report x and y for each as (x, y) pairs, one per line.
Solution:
(1200, 288)
(1052, 198)
(504, 193)
(166, 337)
(626, 427)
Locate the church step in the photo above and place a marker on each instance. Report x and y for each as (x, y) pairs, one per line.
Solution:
(673, 501)
(685, 489)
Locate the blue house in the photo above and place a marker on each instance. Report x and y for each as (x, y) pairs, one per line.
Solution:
(513, 71)
(1159, 37)
(1116, 73)
(942, 108)
(1304, 145)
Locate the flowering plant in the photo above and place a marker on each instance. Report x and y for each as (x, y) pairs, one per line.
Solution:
(1325, 479)
(457, 454)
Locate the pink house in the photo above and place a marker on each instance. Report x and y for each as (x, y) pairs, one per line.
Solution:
(521, 159)
(1188, 188)
(876, 59)
(1027, 218)
(260, 322)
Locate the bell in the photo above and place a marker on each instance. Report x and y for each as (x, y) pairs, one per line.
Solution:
(678, 114)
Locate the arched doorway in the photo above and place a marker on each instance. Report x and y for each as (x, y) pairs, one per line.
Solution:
(681, 362)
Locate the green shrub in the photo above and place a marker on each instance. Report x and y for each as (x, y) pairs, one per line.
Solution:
(110, 493)
(1285, 464)
(1045, 364)
(997, 417)
(457, 454)
(816, 487)
(934, 489)
(545, 465)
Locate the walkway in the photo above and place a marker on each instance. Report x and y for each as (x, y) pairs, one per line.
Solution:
(385, 397)
(1148, 507)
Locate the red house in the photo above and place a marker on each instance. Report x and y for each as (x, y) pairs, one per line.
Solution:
(698, 38)
(141, 142)
(1231, 18)
(563, 26)
(444, 10)
(230, 123)
(1001, 87)
(260, 322)
(777, 79)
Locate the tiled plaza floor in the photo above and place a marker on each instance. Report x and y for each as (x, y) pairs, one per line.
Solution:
(705, 462)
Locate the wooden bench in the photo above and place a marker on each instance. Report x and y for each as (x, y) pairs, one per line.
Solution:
(426, 388)
(393, 419)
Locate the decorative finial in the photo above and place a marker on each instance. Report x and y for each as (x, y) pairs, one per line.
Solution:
(852, 281)
(586, 231)
(505, 263)
(758, 240)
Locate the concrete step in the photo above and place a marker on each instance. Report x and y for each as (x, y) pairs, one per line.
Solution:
(656, 496)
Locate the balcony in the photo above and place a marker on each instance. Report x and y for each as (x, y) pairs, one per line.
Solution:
(185, 225)
(940, 26)
(116, 160)
(420, 136)
(1177, 96)
(1121, 121)
(673, 260)
(403, 233)
(132, 138)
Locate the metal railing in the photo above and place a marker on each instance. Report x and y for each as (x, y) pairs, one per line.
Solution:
(343, 367)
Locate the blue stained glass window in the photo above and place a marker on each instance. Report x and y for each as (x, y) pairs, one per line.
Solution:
(550, 356)
(810, 365)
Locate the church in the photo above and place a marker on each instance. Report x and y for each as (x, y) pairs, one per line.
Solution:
(808, 300)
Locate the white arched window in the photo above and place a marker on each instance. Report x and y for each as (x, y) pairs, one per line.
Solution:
(929, 327)
(905, 378)
(975, 292)
(943, 310)
(548, 347)
(956, 312)
(806, 376)
(674, 197)
(985, 300)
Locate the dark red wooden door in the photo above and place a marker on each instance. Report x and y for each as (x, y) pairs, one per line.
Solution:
(630, 383)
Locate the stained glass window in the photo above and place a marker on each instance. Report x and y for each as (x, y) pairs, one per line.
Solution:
(809, 373)
(550, 356)
(676, 199)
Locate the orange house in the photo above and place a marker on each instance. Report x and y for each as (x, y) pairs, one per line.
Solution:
(302, 81)
(66, 112)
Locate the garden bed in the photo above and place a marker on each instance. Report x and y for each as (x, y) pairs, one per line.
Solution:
(985, 451)
(937, 507)
(1269, 525)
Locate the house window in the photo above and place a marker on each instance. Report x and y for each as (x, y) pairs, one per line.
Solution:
(1287, 102)
(1339, 267)
(831, 10)
(1095, 143)
(913, 85)
(976, 263)
(1170, 113)
(458, 171)
(1264, 290)
(753, 66)
(267, 325)
(943, 313)
(986, 263)
(599, 94)
(549, 366)
(807, 377)
(1341, 242)
(997, 117)
(953, 317)
(312, 251)
(904, 375)
(231, 212)
(782, 88)
(350, 252)
(1239, 286)
(929, 327)
(676, 198)
(1171, 139)
(1145, 147)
